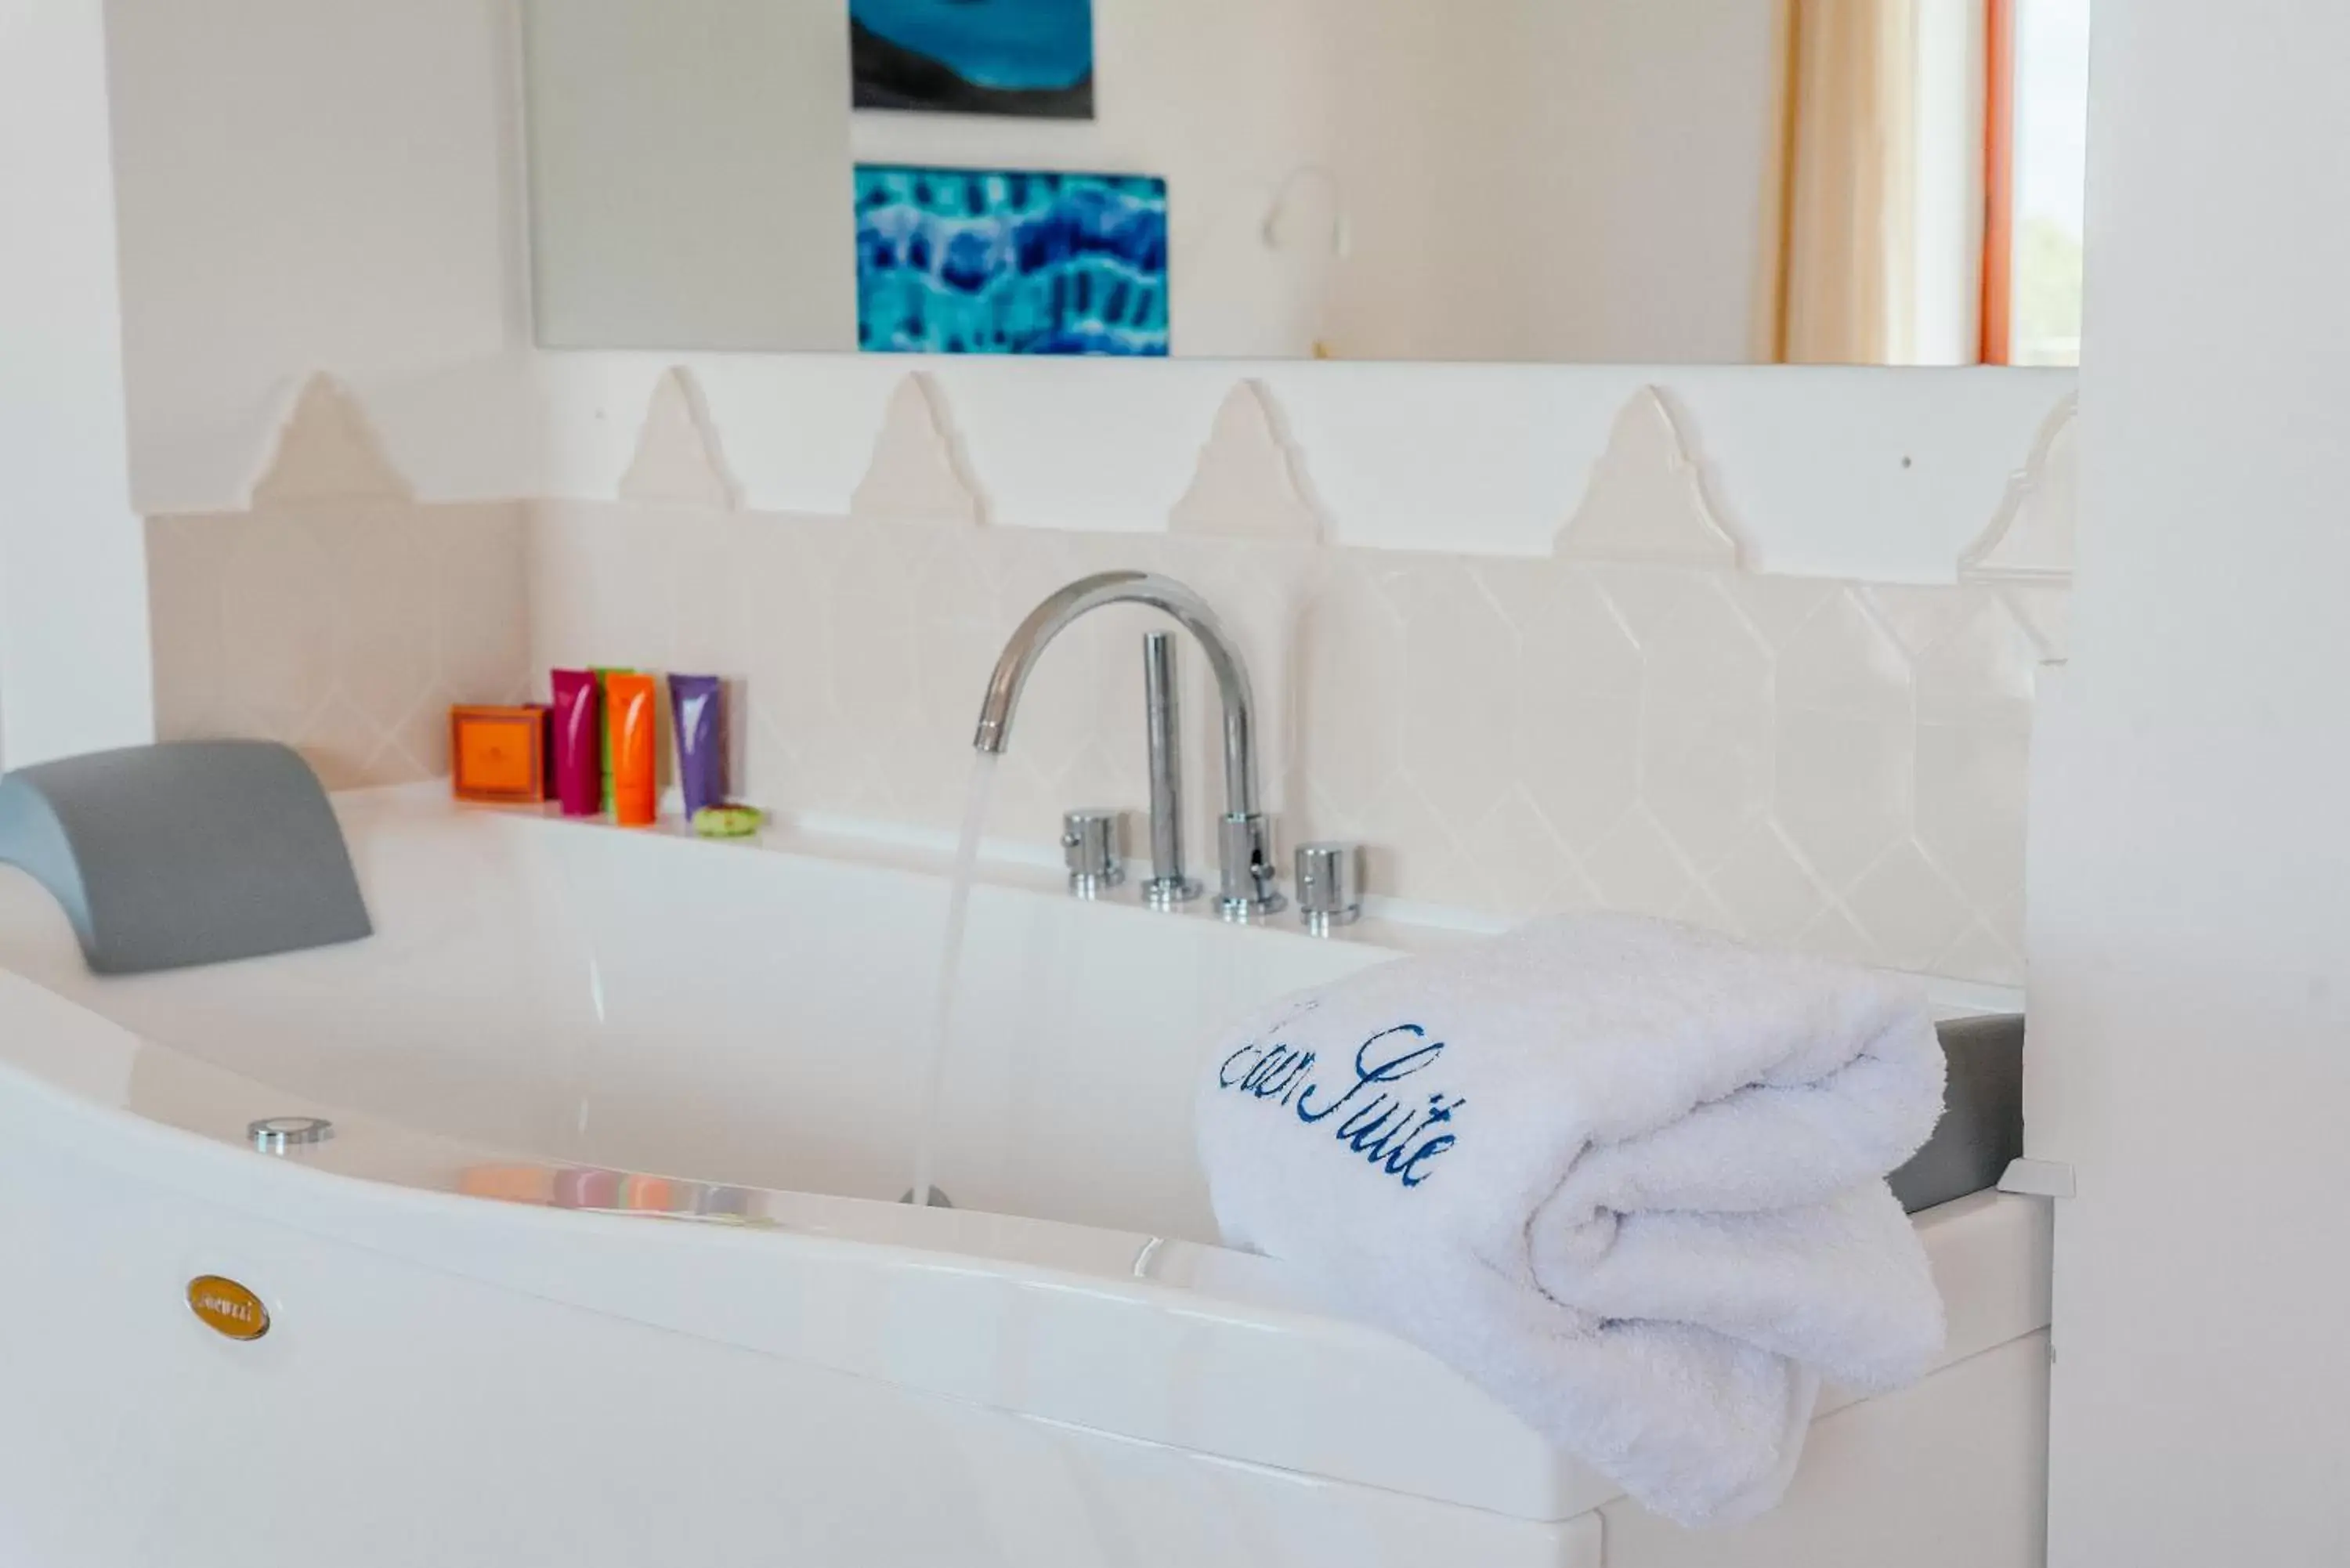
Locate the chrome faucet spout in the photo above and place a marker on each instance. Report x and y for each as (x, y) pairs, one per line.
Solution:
(1249, 875)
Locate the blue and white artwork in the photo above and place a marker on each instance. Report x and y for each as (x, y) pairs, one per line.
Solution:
(968, 261)
(974, 56)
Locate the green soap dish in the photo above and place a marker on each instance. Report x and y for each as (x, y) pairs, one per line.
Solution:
(728, 821)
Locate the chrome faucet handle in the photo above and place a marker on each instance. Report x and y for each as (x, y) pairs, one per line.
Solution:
(1093, 844)
(1329, 886)
(1251, 878)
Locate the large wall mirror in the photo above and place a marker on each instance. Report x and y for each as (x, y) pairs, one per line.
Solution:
(1835, 181)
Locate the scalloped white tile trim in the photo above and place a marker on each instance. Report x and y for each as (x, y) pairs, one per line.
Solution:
(325, 449)
(2026, 553)
(918, 472)
(1647, 498)
(1882, 475)
(1251, 481)
(679, 459)
(2030, 538)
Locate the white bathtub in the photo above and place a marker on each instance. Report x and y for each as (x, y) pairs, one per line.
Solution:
(761, 1358)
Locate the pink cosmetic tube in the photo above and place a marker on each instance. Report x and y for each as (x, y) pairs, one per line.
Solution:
(579, 744)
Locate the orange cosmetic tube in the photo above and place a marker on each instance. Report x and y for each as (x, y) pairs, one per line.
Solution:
(634, 703)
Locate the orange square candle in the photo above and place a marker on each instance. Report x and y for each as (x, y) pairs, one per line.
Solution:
(499, 755)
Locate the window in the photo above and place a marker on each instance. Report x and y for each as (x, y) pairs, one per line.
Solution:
(2037, 177)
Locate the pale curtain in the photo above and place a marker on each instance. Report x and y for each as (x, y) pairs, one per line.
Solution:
(1846, 249)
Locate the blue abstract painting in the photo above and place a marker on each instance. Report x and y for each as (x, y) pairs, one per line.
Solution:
(968, 260)
(974, 56)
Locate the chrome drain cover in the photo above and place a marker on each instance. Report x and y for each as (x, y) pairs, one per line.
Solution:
(281, 1135)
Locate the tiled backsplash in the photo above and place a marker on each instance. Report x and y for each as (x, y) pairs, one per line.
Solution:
(346, 630)
(1637, 722)
(337, 615)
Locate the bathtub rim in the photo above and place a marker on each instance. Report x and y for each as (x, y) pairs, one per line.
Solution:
(1388, 925)
(1253, 1337)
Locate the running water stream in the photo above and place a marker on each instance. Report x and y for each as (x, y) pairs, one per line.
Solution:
(926, 1131)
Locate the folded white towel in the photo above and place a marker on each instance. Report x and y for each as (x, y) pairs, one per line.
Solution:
(1627, 1175)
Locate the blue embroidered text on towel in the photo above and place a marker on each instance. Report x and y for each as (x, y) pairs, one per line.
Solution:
(1384, 1126)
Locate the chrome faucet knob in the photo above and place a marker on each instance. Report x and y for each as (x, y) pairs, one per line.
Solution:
(1329, 886)
(1251, 878)
(1093, 843)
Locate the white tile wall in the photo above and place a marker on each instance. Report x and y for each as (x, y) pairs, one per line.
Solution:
(345, 630)
(336, 614)
(1636, 722)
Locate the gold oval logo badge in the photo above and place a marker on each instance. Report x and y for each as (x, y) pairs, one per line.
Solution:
(227, 1308)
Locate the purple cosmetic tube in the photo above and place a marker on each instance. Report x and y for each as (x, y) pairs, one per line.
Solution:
(698, 709)
(578, 743)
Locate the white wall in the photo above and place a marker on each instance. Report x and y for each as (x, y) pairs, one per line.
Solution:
(73, 590)
(2190, 863)
(312, 184)
(690, 184)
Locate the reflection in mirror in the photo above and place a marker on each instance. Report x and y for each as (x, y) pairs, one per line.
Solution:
(1857, 181)
(2038, 322)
